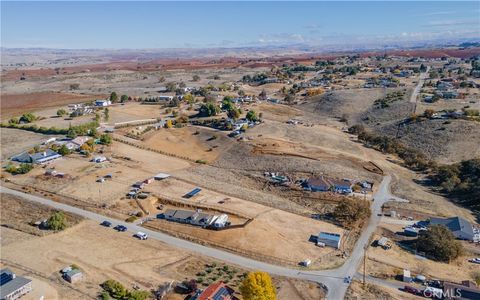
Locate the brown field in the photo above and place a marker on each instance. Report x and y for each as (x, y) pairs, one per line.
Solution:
(16, 104)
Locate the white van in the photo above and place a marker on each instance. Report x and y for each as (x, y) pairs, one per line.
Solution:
(141, 235)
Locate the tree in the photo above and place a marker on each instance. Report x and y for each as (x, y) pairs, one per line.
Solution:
(63, 150)
(169, 123)
(241, 93)
(13, 121)
(196, 77)
(124, 98)
(234, 113)
(350, 211)
(106, 114)
(439, 242)
(252, 116)
(105, 139)
(171, 86)
(57, 221)
(115, 289)
(138, 295)
(209, 109)
(258, 286)
(74, 86)
(27, 118)
(61, 112)
(97, 117)
(113, 97)
(263, 95)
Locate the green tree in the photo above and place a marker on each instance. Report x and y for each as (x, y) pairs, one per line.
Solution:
(113, 97)
(105, 139)
(138, 295)
(115, 289)
(13, 121)
(61, 112)
(234, 113)
(258, 286)
(196, 77)
(106, 114)
(124, 98)
(209, 109)
(57, 221)
(439, 242)
(63, 150)
(28, 118)
(252, 116)
(171, 86)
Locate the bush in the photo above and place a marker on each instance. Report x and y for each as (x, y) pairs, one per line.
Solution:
(28, 118)
(209, 109)
(61, 112)
(114, 289)
(131, 219)
(351, 211)
(23, 168)
(105, 139)
(438, 242)
(57, 221)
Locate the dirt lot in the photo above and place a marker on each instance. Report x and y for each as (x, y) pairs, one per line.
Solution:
(20, 215)
(15, 141)
(356, 291)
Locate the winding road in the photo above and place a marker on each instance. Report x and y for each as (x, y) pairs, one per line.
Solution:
(332, 279)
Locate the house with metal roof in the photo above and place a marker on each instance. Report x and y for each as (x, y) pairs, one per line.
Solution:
(461, 228)
(38, 158)
(318, 184)
(13, 286)
(73, 275)
(330, 239)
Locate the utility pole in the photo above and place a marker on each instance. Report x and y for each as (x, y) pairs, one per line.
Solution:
(365, 264)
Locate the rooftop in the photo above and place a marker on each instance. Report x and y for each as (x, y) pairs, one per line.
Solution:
(9, 282)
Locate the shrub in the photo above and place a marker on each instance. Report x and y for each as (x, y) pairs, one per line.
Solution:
(105, 139)
(131, 219)
(350, 211)
(28, 118)
(114, 289)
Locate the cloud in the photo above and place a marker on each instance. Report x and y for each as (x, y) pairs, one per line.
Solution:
(436, 13)
(444, 23)
(281, 38)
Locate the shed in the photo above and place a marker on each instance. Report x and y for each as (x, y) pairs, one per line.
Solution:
(73, 275)
(330, 239)
(192, 193)
(161, 176)
(407, 276)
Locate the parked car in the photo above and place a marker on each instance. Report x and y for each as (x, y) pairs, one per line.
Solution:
(106, 224)
(347, 279)
(120, 228)
(141, 235)
(411, 290)
(475, 260)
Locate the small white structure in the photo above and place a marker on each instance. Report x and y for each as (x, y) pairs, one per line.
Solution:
(161, 176)
(99, 159)
(306, 263)
(141, 235)
(220, 221)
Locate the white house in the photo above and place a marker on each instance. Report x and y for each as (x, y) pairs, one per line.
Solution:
(102, 103)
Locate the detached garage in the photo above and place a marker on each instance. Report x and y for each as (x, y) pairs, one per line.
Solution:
(330, 239)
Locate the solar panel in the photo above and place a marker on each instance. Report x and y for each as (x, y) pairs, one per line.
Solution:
(4, 278)
(221, 294)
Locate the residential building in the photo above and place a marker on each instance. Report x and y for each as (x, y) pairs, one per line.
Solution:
(318, 184)
(330, 239)
(99, 159)
(465, 291)
(216, 291)
(196, 218)
(460, 227)
(341, 185)
(13, 286)
(73, 275)
(37, 158)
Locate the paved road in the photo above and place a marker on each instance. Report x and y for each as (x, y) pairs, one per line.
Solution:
(332, 279)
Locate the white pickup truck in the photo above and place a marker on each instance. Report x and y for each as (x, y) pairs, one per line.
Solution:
(141, 235)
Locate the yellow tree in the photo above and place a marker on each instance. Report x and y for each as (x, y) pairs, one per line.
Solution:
(258, 286)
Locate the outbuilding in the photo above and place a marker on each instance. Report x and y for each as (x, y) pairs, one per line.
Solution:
(330, 239)
(73, 275)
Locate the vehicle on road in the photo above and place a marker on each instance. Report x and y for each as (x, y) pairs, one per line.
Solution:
(141, 235)
(411, 290)
(106, 224)
(120, 228)
(475, 260)
(347, 279)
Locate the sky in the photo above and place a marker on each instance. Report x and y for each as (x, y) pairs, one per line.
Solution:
(140, 25)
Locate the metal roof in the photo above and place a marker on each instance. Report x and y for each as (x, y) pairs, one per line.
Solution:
(329, 236)
(454, 224)
(10, 284)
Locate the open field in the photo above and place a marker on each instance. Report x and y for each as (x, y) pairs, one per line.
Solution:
(15, 141)
(16, 104)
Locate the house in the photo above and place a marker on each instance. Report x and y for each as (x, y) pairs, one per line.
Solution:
(410, 231)
(318, 184)
(102, 103)
(37, 158)
(460, 227)
(330, 239)
(73, 275)
(465, 291)
(80, 140)
(165, 98)
(341, 185)
(196, 218)
(13, 286)
(216, 291)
